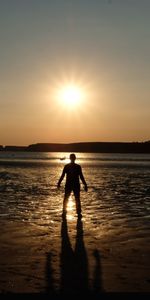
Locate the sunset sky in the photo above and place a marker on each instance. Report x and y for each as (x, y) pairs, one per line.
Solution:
(95, 50)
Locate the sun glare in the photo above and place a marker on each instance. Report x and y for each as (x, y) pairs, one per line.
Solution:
(70, 96)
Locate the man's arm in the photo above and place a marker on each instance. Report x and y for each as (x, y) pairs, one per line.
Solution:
(83, 180)
(61, 178)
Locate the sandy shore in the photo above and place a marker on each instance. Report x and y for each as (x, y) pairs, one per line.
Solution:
(68, 258)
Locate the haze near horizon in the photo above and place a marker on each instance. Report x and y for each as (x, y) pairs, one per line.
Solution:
(74, 71)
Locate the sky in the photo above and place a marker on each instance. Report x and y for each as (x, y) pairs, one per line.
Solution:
(102, 47)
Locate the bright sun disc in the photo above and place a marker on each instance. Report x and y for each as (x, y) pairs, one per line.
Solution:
(70, 96)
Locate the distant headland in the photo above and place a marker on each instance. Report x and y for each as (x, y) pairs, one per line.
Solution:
(95, 147)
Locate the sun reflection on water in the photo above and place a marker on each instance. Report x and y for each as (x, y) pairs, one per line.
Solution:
(70, 207)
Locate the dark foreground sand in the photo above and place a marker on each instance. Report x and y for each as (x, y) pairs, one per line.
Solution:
(70, 259)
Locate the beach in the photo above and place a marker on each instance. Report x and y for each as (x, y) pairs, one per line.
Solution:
(30, 260)
(107, 251)
(74, 148)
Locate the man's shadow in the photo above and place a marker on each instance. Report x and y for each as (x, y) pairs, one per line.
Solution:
(74, 264)
(74, 273)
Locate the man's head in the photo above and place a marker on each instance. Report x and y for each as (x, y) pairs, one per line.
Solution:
(72, 157)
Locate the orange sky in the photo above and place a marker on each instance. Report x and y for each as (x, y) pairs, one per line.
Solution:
(101, 46)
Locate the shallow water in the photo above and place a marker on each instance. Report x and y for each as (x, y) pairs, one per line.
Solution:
(117, 202)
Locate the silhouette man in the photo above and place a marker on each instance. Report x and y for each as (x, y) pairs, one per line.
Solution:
(73, 174)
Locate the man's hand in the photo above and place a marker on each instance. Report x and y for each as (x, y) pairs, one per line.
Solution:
(58, 186)
(85, 188)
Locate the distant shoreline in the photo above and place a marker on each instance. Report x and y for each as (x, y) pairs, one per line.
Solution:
(87, 147)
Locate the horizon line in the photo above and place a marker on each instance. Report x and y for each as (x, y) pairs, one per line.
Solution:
(69, 143)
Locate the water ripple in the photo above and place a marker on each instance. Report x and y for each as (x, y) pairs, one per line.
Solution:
(118, 197)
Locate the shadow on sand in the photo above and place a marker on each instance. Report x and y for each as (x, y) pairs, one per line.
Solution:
(74, 273)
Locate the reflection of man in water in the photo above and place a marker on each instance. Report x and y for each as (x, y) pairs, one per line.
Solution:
(73, 174)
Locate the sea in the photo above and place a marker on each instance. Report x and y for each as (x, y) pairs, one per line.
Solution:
(117, 201)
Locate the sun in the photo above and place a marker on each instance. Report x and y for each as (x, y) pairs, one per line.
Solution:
(70, 96)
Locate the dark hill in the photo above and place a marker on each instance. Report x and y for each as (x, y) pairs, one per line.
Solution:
(97, 147)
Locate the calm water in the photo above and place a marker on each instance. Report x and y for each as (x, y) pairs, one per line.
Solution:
(118, 197)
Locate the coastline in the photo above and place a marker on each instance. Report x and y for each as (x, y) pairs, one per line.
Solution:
(87, 147)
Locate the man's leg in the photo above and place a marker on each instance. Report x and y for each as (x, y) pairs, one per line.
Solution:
(78, 202)
(66, 197)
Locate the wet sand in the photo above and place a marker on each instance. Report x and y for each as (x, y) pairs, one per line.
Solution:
(69, 259)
